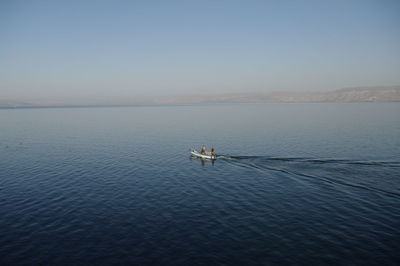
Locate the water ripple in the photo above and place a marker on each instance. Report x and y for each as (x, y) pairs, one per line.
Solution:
(292, 165)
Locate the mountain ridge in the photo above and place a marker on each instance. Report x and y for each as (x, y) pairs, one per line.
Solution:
(355, 94)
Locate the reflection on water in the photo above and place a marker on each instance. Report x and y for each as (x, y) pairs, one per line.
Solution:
(202, 161)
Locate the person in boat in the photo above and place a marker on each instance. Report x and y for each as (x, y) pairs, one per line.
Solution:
(213, 151)
(203, 149)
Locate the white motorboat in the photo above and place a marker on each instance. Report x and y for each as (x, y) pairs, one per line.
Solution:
(206, 155)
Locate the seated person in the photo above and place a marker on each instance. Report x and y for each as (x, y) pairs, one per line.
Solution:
(203, 149)
(213, 151)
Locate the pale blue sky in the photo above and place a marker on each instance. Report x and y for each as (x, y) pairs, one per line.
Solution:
(119, 49)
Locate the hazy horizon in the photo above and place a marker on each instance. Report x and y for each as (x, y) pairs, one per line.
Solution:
(75, 52)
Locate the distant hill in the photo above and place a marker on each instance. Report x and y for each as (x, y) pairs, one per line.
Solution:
(360, 94)
(8, 103)
(371, 94)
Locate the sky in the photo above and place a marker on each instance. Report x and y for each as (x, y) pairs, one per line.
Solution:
(70, 51)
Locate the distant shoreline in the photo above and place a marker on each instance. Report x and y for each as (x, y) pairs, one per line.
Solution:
(347, 95)
(173, 105)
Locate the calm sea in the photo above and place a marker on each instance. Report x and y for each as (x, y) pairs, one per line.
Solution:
(305, 184)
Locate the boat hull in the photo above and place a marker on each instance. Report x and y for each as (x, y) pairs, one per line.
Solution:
(203, 156)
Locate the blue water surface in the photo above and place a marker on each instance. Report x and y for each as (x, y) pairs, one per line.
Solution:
(305, 184)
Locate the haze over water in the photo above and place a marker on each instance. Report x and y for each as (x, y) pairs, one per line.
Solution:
(303, 184)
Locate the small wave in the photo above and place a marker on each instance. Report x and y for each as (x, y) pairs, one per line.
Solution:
(306, 167)
(316, 161)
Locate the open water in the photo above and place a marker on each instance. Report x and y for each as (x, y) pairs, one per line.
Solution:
(306, 184)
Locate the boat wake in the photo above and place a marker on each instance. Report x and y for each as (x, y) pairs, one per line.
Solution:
(350, 173)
